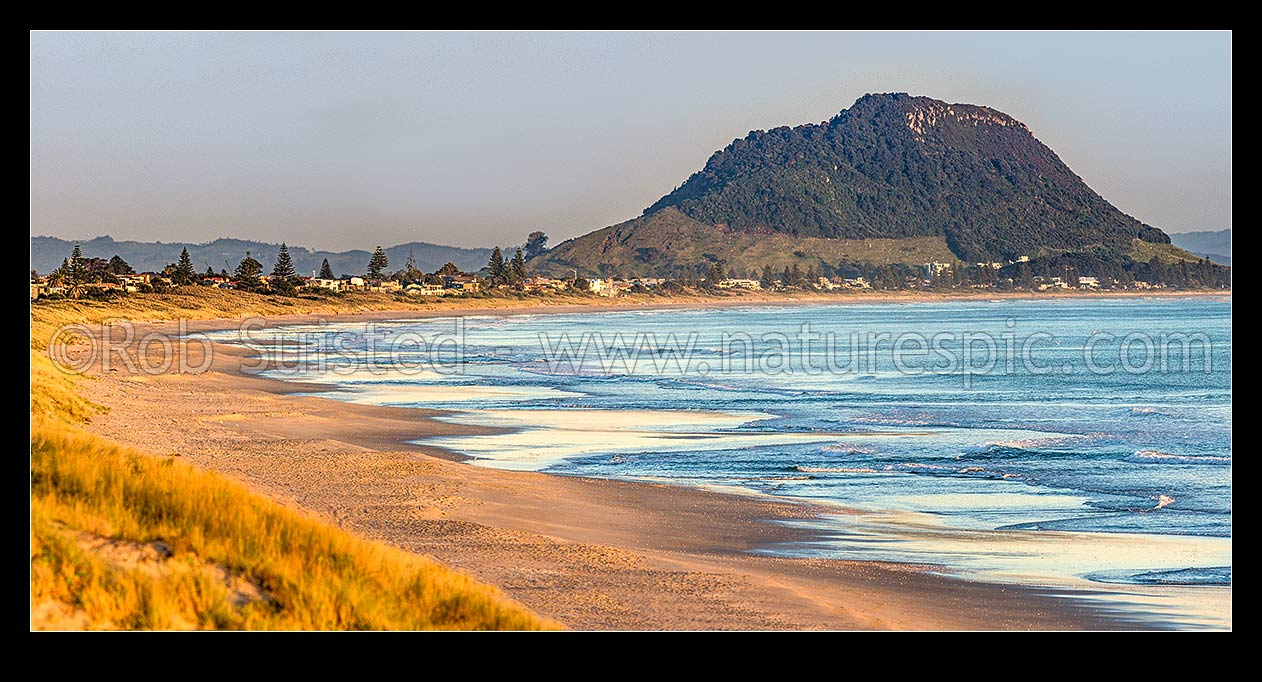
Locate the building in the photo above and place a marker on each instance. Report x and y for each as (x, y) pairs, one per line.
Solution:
(425, 290)
(751, 284)
(385, 286)
(601, 287)
(1088, 283)
(932, 269)
(858, 283)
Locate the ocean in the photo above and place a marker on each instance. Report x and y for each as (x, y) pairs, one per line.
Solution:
(1083, 444)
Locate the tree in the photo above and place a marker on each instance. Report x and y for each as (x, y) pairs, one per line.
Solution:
(768, 279)
(246, 277)
(410, 272)
(378, 263)
(210, 272)
(449, 270)
(284, 268)
(183, 273)
(118, 266)
(517, 272)
(714, 275)
(496, 268)
(284, 279)
(795, 275)
(326, 272)
(75, 273)
(536, 244)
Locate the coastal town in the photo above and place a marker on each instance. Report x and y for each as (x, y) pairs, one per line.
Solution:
(103, 278)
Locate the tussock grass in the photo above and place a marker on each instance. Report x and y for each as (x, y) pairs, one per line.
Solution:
(125, 540)
(302, 573)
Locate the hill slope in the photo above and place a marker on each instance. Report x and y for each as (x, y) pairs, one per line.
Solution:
(1214, 245)
(48, 252)
(892, 166)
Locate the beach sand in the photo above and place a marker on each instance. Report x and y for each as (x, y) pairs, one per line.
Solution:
(592, 554)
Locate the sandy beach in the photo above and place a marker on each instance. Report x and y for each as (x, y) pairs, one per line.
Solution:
(592, 554)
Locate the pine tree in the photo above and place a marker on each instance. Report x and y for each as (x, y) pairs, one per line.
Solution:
(284, 268)
(210, 272)
(326, 272)
(714, 275)
(246, 277)
(378, 263)
(183, 274)
(768, 277)
(75, 273)
(284, 279)
(795, 275)
(496, 266)
(518, 270)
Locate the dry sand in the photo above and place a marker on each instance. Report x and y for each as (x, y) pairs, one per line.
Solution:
(592, 554)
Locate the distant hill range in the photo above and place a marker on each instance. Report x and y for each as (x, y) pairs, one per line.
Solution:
(48, 252)
(894, 178)
(1214, 245)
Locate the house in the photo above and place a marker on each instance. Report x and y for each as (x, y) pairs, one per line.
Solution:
(827, 284)
(425, 290)
(751, 284)
(355, 283)
(858, 283)
(385, 285)
(932, 269)
(601, 287)
(539, 283)
(1088, 283)
(1045, 283)
(992, 265)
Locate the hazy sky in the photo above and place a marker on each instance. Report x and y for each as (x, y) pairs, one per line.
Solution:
(344, 140)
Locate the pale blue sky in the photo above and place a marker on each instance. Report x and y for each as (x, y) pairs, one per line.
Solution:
(344, 140)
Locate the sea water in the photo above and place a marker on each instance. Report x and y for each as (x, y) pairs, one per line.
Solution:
(1071, 442)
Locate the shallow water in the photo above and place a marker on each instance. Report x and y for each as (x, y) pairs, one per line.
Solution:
(1039, 467)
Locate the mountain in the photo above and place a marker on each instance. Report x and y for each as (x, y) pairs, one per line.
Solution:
(971, 180)
(1214, 245)
(48, 252)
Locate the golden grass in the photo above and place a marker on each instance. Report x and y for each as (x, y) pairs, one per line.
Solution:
(126, 540)
(297, 572)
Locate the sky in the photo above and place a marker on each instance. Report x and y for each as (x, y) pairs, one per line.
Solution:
(343, 140)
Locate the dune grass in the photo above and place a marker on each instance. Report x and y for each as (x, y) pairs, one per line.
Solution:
(229, 558)
(125, 540)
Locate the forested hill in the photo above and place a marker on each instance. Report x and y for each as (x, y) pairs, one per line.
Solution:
(898, 166)
(48, 252)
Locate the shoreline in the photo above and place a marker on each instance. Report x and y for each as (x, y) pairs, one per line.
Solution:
(622, 535)
(502, 307)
